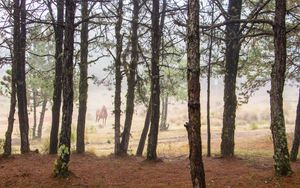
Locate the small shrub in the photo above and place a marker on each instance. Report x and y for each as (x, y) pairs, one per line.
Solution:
(45, 145)
(253, 126)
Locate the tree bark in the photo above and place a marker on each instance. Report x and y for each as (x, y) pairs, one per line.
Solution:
(20, 74)
(131, 79)
(13, 102)
(281, 154)
(61, 168)
(162, 113)
(155, 85)
(209, 70)
(118, 77)
(162, 23)
(164, 116)
(193, 72)
(83, 84)
(58, 30)
(34, 98)
(141, 145)
(231, 66)
(42, 117)
(296, 142)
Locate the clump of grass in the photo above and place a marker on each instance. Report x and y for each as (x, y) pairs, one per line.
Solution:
(45, 145)
(2, 141)
(253, 126)
(91, 129)
(250, 154)
(91, 150)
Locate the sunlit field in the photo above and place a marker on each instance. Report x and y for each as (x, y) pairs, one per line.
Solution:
(253, 136)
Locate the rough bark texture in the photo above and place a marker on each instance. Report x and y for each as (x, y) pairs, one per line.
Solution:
(155, 86)
(83, 84)
(281, 154)
(61, 168)
(140, 149)
(296, 142)
(34, 98)
(131, 79)
(194, 125)
(118, 77)
(42, 116)
(231, 65)
(12, 108)
(58, 30)
(21, 82)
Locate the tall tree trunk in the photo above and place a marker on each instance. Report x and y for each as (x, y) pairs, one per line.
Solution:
(281, 154)
(162, 23)
(193, 72)
(13, 102)
(162, 113)
(231, 66)
(21, 82)
(42, 117)
(59, 33)
(131, 79)
(296, 142)
(208, 82)
(140, 149)
(163, 122)
(118, 77)
(155, 86)
(34, 113)
(61, 168)
(83, 84)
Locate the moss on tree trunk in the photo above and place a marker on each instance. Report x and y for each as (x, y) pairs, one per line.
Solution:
(281, 154)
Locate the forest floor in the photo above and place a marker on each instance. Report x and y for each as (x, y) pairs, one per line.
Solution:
(88, 170)
(252, 166)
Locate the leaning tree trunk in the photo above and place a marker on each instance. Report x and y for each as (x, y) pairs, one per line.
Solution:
(58, 30)
(83, 84)
(12, 108)
(281, 154)
(118, 77)
(131, 79)
(34, 98)
(231, 66)
(155, 87)
(61, 167)
(296, 142)
(140, 149)
(21, 82)
(193, 72)
(42, 117)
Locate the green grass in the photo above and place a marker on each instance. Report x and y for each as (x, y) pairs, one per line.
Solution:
(253, 126)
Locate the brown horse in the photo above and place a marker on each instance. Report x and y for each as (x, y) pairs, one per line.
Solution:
(101, 114)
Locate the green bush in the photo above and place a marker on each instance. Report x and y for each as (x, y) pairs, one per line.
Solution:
(253, 126)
